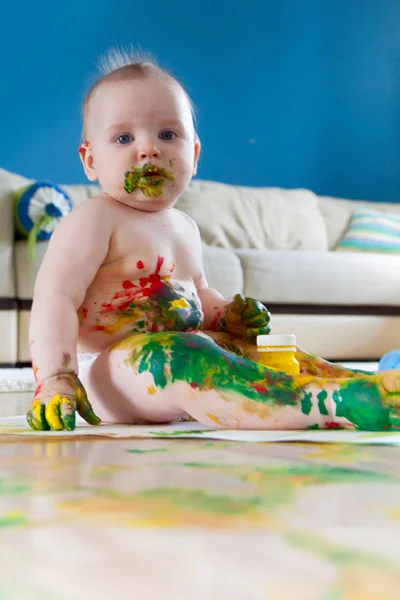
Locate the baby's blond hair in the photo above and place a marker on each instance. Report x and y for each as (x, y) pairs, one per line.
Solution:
(120, 65)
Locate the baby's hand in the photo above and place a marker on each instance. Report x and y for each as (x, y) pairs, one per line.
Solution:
(55, 402)
(246, 317)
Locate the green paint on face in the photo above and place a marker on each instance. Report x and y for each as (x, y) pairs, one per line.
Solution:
(306, 404)
(322, 396)
(149, 179)
(360, 402)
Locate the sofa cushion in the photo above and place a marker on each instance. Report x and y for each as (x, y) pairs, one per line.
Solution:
(223, 270)
(337, 212)
(327, 278)
(372, 231)
(263, 218)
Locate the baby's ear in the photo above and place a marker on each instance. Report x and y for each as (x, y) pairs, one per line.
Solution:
(86, 156)
(197, 147)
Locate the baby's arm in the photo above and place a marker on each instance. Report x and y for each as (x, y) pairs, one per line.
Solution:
(76, 250)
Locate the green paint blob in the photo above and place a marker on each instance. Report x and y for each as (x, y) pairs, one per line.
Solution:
(360, 402)
(306, 404)
(322, 396)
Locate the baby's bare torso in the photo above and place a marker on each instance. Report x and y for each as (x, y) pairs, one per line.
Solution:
(147, 281)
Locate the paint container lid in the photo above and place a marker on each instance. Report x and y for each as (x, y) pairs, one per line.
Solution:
(277, 340)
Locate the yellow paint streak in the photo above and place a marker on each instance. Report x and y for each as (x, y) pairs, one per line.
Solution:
(118, 324)
(181, 303)
(52, 416)
(214, 418)
(151, 389)
(256, 408)
(35, 408)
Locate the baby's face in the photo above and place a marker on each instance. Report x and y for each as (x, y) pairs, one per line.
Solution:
(133, 123)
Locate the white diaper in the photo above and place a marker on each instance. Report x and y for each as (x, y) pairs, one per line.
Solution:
(85, 360)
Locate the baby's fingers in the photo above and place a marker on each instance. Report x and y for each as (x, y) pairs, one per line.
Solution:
(239, 303)
(85, 410)
(260, 320)
(254, 308)
(60, 413)
(253, 332)
(36, 416)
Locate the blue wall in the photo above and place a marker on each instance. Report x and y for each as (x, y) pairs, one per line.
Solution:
(289, 92)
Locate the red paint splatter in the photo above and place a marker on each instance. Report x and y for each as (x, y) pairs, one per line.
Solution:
(261, 389)
(132, 293)
(98, 328)
(140, 264)
(332, 425)
(38, 390)
(194, 385)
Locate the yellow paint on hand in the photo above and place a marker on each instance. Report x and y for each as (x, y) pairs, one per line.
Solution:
(52, 413)
(181, 303)
(36, 408)
(214, 418)
(151, 389)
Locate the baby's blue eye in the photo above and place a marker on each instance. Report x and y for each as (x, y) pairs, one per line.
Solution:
(124, 139)
(167, 135)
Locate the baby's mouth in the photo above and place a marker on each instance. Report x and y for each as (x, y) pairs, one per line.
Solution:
(149, 179)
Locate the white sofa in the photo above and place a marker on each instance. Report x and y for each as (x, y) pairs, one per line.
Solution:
(268, 243)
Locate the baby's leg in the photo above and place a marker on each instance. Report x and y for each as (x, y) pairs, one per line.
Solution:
(158, 377)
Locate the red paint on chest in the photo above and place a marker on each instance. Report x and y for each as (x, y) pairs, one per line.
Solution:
(131, 293)
(139, 264)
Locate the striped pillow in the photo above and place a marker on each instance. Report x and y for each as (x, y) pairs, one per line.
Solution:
(371, 231)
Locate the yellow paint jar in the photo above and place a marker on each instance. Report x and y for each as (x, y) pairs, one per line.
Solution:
(278, 352)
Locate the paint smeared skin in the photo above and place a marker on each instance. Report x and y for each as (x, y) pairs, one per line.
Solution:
(244, 317)
(368, 402)
(59, 412)
(161, 299)
(149, 179)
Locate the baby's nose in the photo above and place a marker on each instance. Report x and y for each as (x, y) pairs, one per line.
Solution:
(149, 152)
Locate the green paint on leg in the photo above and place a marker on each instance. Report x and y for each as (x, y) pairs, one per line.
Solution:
(306, 404)
(172, 357)
(322, 396)
(360, 402)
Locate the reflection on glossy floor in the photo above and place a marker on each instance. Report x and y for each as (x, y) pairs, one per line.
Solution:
(184, 519)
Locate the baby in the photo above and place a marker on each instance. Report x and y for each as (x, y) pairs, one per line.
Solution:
(123, 280)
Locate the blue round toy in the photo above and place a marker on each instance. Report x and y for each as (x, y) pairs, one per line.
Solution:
(390, 361)
(38, 209)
